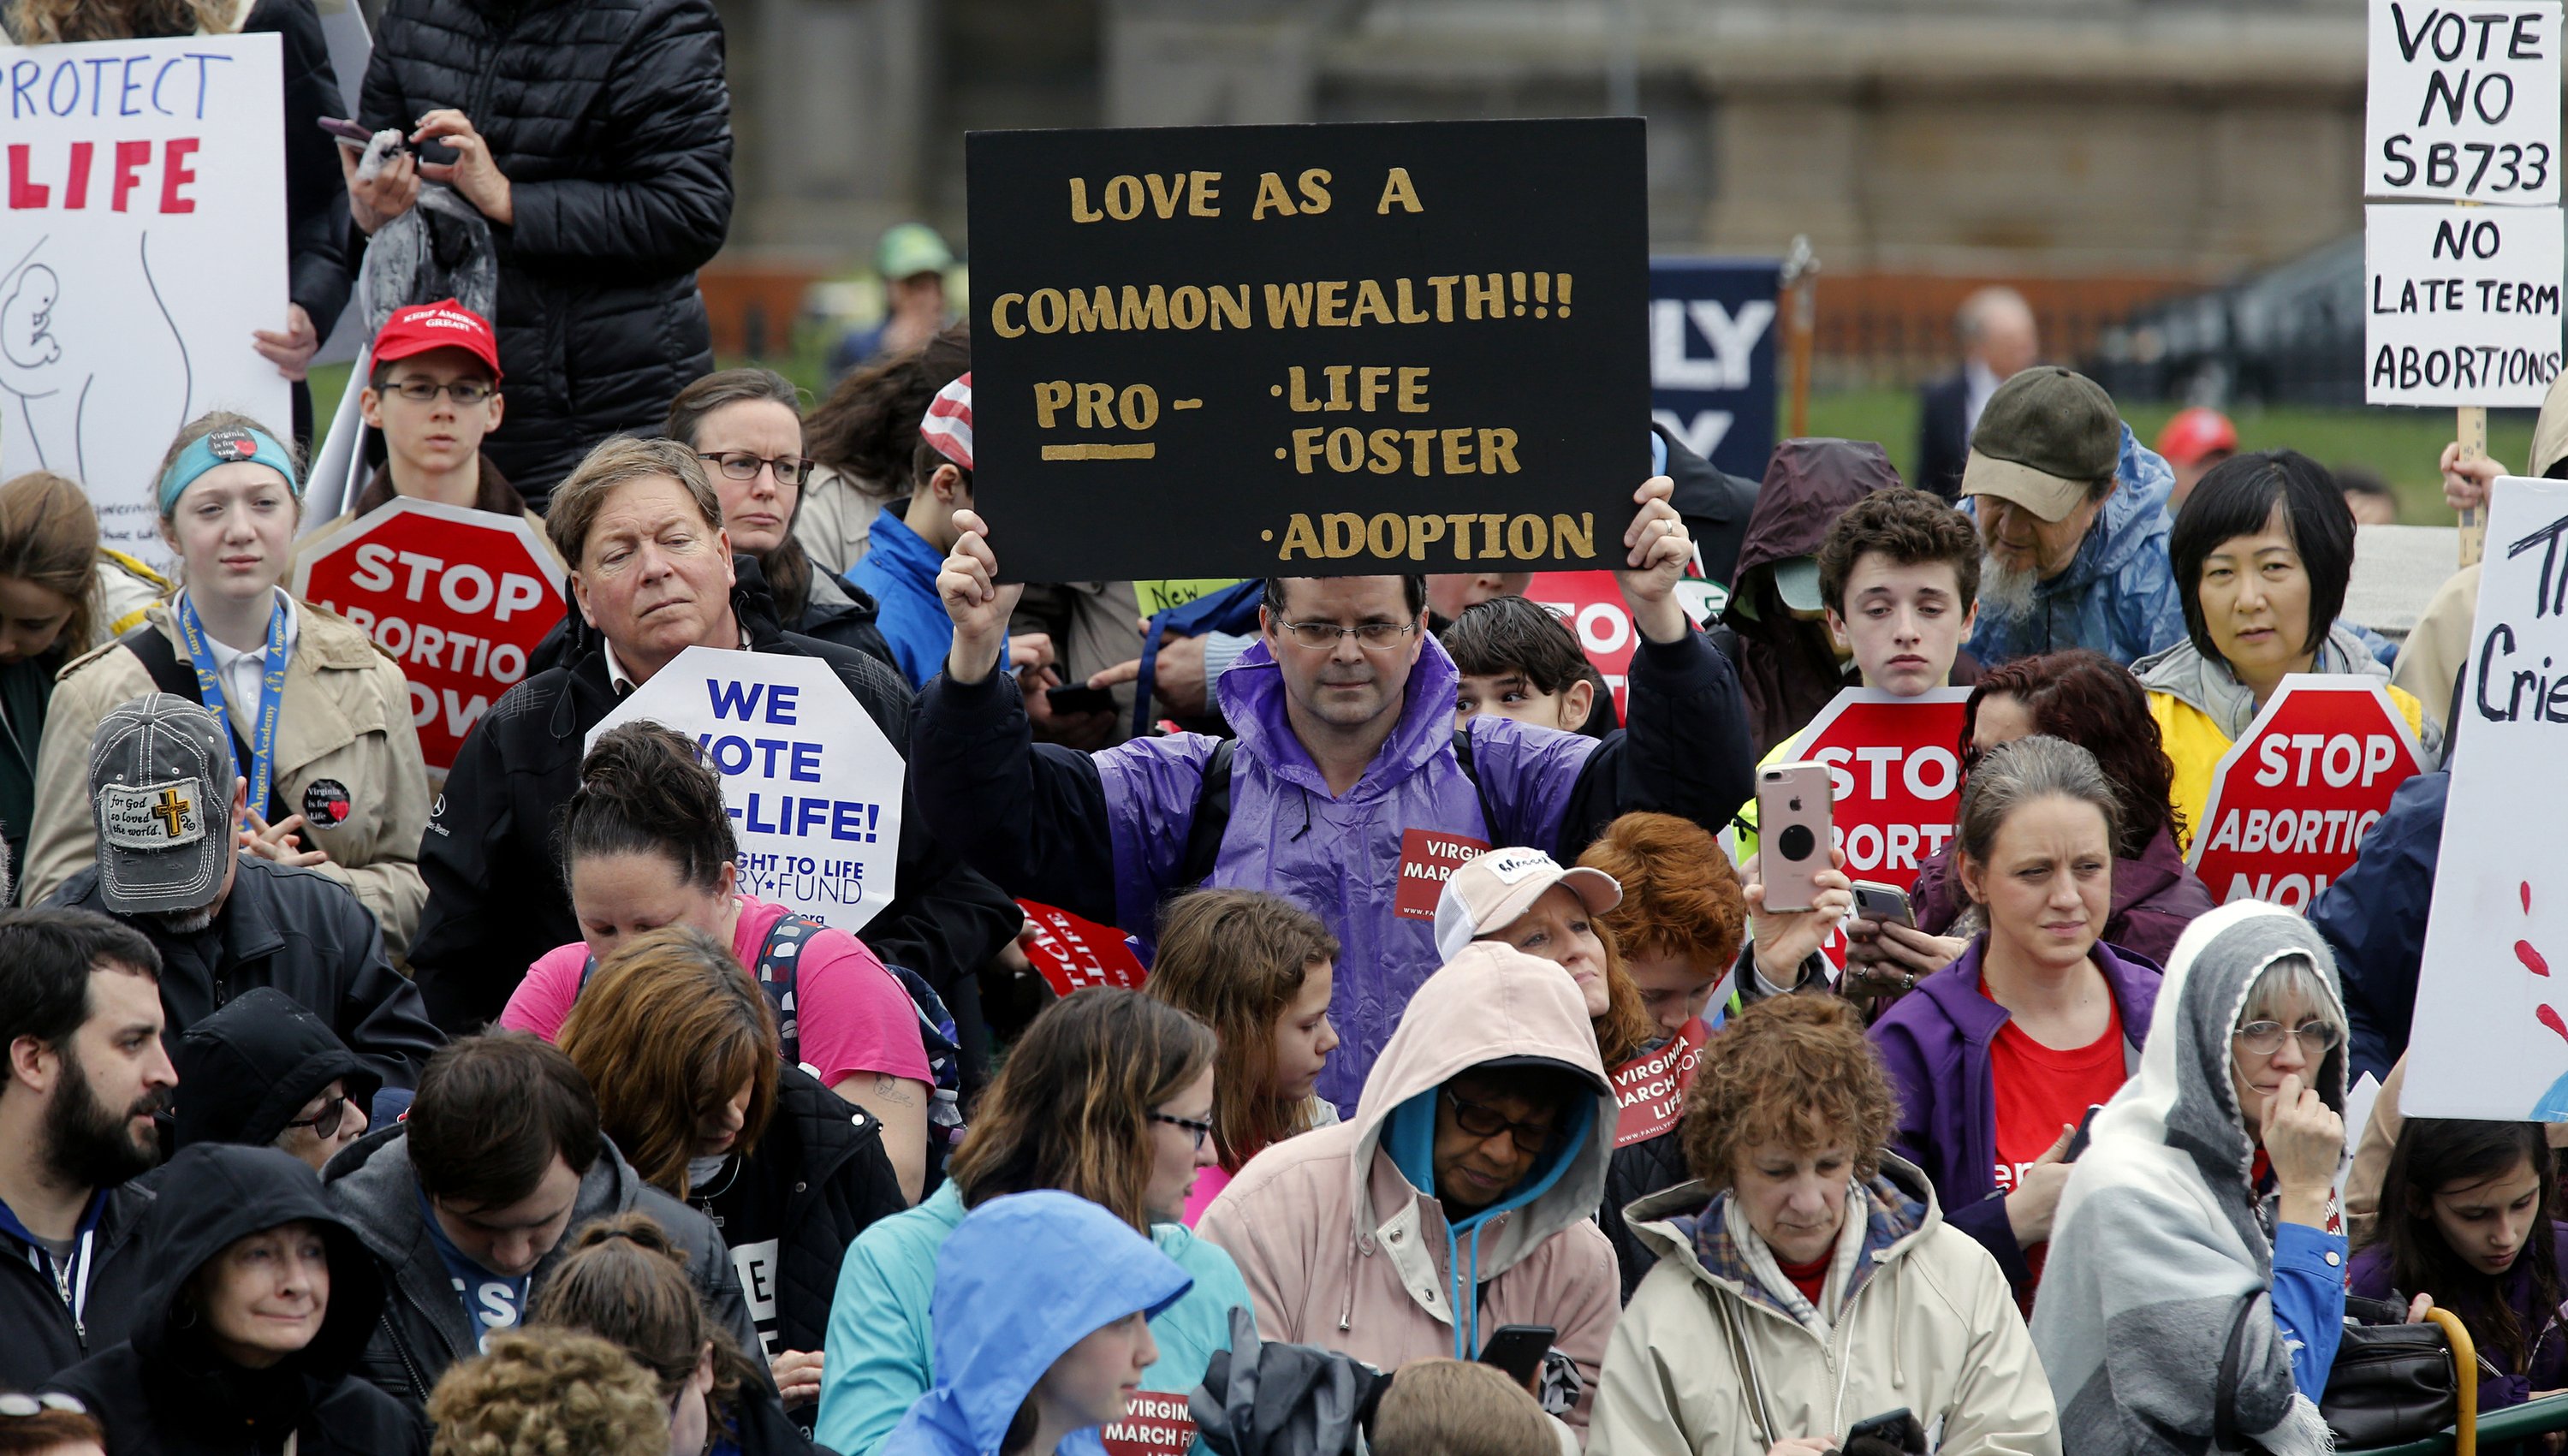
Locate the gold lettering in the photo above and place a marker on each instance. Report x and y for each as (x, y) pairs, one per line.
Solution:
(1409, 313)
(1139, 312)
(1228, 311)
(1271, 198)
(1095, 406)
(1526, 538)
(1457, 454)
(1352, 458)
(1499, 453)
(1386, 452)
(1490, 523)
(1051, 398)
(1387, 535)
(1368, 300)
(1201, 195)
(1398, 188)
(1443, 297)
(1461, 519)
(1371, 382)
(1337, 375)
(1080, 212)
(1298, 534)
(1288, 299)
(1306, 448)
(1424, 531)
(1298, 398)
(1044, 311)
(1186, 307)
(1315, 189)
(999, 324)
(1343, 534)
(1494, 297)
(1412, 389)
(1576, 537)
(1333, 305)
(1420, 441)
(1123, 199)
(1086, 314)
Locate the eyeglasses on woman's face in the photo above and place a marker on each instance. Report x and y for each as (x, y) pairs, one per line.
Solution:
(741, 464)
(1199, 1129)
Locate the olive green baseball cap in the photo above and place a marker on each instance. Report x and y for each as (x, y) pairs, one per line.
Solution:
(2043, 440)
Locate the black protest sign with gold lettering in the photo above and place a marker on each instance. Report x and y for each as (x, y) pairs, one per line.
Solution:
(1325, 350)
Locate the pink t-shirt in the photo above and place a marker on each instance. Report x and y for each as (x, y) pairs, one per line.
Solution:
(854, 1016)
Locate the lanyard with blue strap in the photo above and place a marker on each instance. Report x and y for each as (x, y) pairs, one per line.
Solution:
(234, 445)
(271, 694)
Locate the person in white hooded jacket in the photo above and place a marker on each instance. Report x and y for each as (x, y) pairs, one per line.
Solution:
(1806, 1282)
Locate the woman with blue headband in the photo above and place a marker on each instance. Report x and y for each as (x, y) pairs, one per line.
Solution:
(322, 736)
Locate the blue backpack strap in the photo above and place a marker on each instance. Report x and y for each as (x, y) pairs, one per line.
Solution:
(777, 959)
(777, 956)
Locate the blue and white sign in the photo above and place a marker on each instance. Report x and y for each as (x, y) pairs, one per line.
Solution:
(813, 786)
(1712, 357)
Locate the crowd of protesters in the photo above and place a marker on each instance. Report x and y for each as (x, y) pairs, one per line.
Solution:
(348, 1110)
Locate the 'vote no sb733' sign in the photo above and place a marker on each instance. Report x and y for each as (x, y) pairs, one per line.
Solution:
(2292, 800)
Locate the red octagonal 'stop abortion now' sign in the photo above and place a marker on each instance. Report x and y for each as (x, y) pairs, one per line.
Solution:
(457, 597)
(2292, 797)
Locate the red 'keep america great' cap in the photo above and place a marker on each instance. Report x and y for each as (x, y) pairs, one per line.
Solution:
(445, 324)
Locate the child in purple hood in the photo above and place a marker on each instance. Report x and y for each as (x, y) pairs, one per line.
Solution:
(2469, 1217)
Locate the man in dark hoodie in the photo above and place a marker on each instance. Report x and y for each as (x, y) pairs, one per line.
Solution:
(495, 895)
(267, 1072)
(469, 1203)
(1773, 626)
(255, 1304)
(80, 1020)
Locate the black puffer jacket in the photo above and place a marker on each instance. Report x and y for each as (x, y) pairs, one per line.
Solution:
(613, 123)
(166, 1392)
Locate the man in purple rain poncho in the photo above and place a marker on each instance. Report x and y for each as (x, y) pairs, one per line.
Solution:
(1346, 781)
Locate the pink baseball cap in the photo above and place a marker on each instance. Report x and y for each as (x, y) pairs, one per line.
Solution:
(1493, 890)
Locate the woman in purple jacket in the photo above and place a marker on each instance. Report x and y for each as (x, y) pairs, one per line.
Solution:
(2469, 1217)
(1999, 1055)
(2094, 703)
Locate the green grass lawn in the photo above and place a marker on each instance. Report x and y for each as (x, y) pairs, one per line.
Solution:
(2399, 443)
(2402, 444)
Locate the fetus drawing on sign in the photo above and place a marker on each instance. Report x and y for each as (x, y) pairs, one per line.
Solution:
(93, 371)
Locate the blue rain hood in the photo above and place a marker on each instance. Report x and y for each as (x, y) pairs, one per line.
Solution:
(1019, 1282)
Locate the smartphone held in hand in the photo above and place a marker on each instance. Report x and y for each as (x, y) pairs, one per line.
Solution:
(1793, 832)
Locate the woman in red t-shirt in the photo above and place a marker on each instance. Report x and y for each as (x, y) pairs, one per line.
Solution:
(645, 844)
(1999, 1055)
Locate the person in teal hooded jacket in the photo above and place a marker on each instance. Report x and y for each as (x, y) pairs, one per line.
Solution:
(1043, 1309)
(1107, 1095)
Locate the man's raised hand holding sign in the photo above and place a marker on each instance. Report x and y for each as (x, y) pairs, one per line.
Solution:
(1345, 784)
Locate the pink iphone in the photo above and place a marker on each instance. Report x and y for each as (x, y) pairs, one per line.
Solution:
(1793, 832)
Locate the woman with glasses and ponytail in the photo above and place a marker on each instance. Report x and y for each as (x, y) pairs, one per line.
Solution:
(1108, 1096)
(323, 752)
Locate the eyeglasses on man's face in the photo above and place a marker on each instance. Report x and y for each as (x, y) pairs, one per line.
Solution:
(1324, 636)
